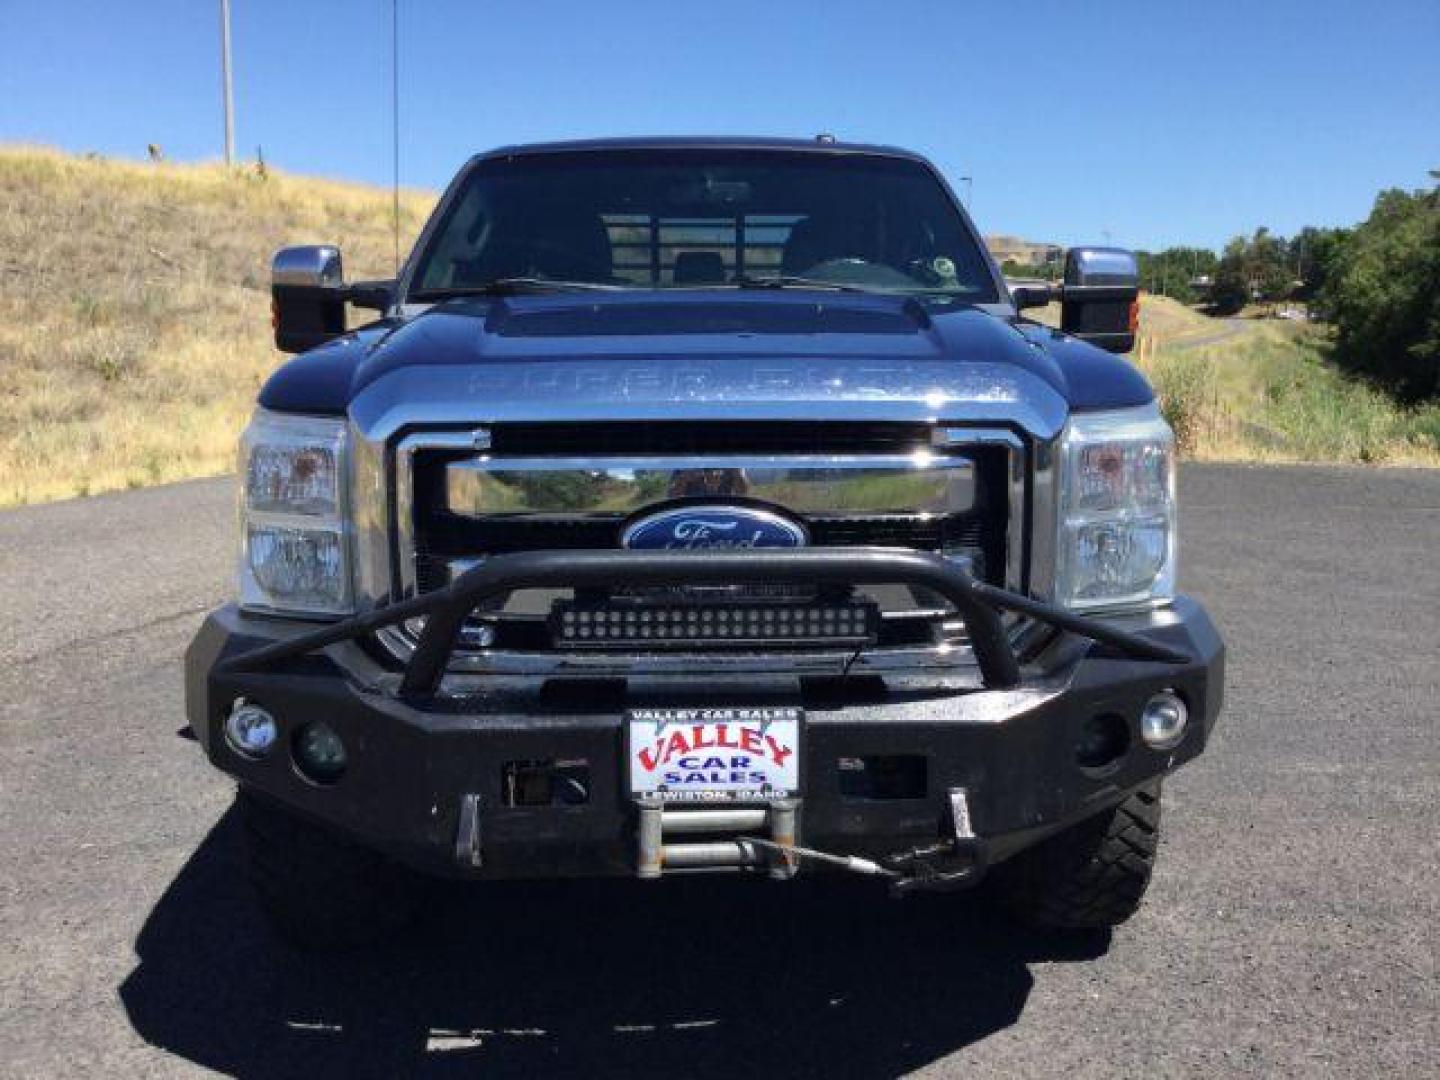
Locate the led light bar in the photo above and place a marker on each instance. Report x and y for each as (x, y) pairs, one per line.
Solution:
(696, 625)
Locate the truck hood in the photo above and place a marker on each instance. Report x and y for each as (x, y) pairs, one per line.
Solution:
(721, 355)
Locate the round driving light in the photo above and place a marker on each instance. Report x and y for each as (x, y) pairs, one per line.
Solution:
(1162, 724)
(250, 730)
(319, 753)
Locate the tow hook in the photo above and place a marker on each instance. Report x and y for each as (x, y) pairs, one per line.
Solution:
(950, 864)
(953, 863)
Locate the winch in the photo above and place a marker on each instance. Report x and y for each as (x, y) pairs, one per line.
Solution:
(950, 862)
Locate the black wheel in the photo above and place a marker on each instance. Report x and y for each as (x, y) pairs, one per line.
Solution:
(1091, 876)
(319, 890)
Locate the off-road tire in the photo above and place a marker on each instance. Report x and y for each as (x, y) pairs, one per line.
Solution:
(320, 891)
(1091, 876)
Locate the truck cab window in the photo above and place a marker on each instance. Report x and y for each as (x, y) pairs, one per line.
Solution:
(703, 218)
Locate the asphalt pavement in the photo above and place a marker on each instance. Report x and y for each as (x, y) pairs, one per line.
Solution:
(1291, 928)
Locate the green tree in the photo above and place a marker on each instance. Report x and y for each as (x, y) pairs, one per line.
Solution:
(1268, 267)
(1173, 271)
(1382, 291)
(1257, 268)
(1312, 253)
(1230, 289)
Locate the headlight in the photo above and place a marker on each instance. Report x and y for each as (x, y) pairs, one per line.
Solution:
(1117, 511)
(295, 546)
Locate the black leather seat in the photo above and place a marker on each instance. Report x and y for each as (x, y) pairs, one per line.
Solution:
(819, 240)
(573, 246)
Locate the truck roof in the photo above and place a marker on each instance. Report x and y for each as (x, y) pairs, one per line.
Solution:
(813, 145)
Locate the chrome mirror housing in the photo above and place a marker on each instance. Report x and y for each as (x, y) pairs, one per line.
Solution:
(1101, 266)
(313, 265)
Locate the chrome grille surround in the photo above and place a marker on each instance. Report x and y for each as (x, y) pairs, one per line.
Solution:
(949, 663)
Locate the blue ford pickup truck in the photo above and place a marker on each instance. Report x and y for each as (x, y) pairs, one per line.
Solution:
(703, 506)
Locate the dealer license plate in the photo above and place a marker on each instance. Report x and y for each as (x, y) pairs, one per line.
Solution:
(738, 754)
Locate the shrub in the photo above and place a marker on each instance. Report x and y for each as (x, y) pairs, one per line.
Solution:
(1185, 385)
(1383, 294)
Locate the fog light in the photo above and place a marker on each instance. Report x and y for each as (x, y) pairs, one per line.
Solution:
(1103, 741)
(1162, 724)
(319, 753)
(478, 636)
(250, 730)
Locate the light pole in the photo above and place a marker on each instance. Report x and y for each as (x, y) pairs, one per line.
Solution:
(395, 125)
(969, 182)
(225, 82)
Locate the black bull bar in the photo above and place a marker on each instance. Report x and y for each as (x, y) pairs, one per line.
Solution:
(979, 604)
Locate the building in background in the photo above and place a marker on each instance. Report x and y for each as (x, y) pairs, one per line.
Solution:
(1023, 252)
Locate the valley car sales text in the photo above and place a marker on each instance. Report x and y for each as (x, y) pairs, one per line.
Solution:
(731, 753)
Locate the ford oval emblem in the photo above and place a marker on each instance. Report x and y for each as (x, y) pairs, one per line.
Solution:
(710, 528)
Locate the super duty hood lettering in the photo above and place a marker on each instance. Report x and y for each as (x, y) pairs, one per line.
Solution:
(716, 388)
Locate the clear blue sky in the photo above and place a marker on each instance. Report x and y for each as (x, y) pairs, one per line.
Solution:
(1158, 123)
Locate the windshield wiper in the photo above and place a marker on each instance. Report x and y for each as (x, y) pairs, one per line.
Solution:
(512, 286)
(792, 281)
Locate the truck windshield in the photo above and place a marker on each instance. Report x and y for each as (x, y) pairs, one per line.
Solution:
(699, 218)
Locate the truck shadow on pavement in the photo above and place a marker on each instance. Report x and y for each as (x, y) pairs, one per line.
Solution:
(698, 977)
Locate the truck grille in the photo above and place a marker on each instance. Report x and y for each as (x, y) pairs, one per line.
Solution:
(445, 537)
(543, 486)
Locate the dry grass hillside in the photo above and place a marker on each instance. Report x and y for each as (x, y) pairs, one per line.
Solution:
(134, 318)
(135, 330)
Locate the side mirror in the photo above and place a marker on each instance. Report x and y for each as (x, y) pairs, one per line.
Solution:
(308, 296)
(1100, 300)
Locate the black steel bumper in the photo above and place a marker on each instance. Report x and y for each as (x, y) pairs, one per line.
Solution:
(426, 776)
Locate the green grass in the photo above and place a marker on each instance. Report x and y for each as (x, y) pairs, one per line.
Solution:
(1274, 394)
(1270, 393)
